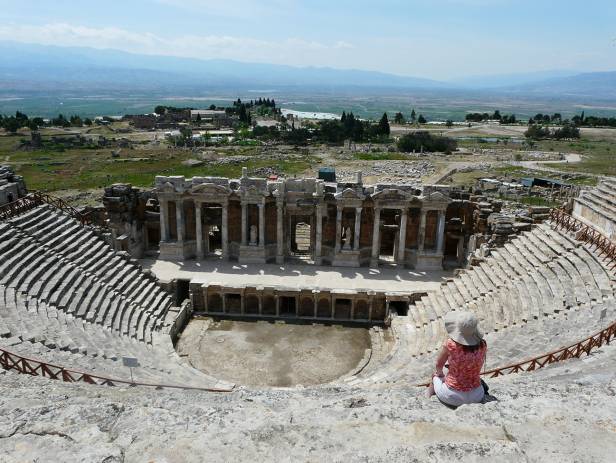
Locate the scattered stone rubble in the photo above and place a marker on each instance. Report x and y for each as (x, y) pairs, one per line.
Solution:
(392, 171)
(12, 187)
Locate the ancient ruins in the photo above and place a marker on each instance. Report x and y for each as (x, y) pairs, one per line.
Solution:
(76, 303)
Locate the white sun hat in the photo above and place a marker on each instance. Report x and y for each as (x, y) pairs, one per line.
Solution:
(462, 327)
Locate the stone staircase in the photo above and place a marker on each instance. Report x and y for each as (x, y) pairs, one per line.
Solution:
(67, 298)
(540, 292)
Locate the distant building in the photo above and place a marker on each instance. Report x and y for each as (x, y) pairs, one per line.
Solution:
(218, 118)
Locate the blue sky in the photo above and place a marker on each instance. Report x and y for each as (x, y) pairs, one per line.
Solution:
(442, 39)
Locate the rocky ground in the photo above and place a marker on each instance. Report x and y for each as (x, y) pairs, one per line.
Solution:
(565, 413)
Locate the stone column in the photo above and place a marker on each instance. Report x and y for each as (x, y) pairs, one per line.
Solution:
(262, 224)
(460, 250)
(357, 228)
(244, 223)
(164, 218)
(440, 234)
(179, 220)
(376, 228)
(338, 227)
(206, 241)
(421, 238)
(279, 233)
(402, 235)
(318, 239)
(225, 232)
(199, 230)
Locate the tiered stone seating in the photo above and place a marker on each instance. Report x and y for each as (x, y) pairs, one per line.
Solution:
(66, 297)
(537, 293)
(49, 256)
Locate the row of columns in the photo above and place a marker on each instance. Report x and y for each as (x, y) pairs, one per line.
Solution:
(401, 247)
(202, 250)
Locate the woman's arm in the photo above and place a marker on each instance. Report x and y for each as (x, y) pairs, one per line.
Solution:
(442, 359)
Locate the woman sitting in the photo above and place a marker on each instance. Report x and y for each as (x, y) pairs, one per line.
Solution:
(465, 352)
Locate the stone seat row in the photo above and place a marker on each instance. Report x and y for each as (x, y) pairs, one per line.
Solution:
(598, 203)
(33, 269)
(516, 284)
(66, 238)
(27, 325)
(538, 279)
(513, 344)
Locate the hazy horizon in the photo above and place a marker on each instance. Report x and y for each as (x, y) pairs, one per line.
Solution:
(454, 39)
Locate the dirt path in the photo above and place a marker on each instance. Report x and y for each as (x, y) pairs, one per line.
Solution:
(570, 158)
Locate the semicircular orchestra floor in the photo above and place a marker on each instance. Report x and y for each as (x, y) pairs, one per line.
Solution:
(273, 353)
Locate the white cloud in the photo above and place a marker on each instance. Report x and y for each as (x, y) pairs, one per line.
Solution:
(291, 50)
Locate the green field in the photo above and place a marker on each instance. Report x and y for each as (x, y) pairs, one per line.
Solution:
(83, 169)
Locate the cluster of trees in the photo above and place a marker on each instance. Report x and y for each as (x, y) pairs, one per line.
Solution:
(348, 127)
(162, 110)
(594, 121)
(538, 132)
(495, 116)
(399, 118)
(261, 107)
(20, 120)
(539, 118)
(424, 141)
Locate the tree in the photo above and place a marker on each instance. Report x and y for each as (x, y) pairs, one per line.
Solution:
(244, 117)
(413, 116)
(384, 125)
(76, 121)
(421, 119)
(399, 118)
(87, 121)
(160, 110)
(11, 124)
(60, 121)
(425, 141)
(536, 132)
(449, 123)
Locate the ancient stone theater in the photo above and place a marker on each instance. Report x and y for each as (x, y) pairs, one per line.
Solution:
(228, 298)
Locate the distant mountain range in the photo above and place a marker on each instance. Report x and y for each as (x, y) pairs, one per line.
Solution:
(26, 67)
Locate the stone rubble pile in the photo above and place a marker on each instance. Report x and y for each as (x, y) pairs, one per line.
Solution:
(392, 171)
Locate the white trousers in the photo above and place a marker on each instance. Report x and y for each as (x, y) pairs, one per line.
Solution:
(456, 398)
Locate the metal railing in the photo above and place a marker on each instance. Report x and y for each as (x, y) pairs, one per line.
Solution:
(576, 350)
(37, 198)
(605, 247)
(28, 366)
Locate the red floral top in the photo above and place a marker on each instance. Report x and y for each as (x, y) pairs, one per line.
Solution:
(464, 367)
